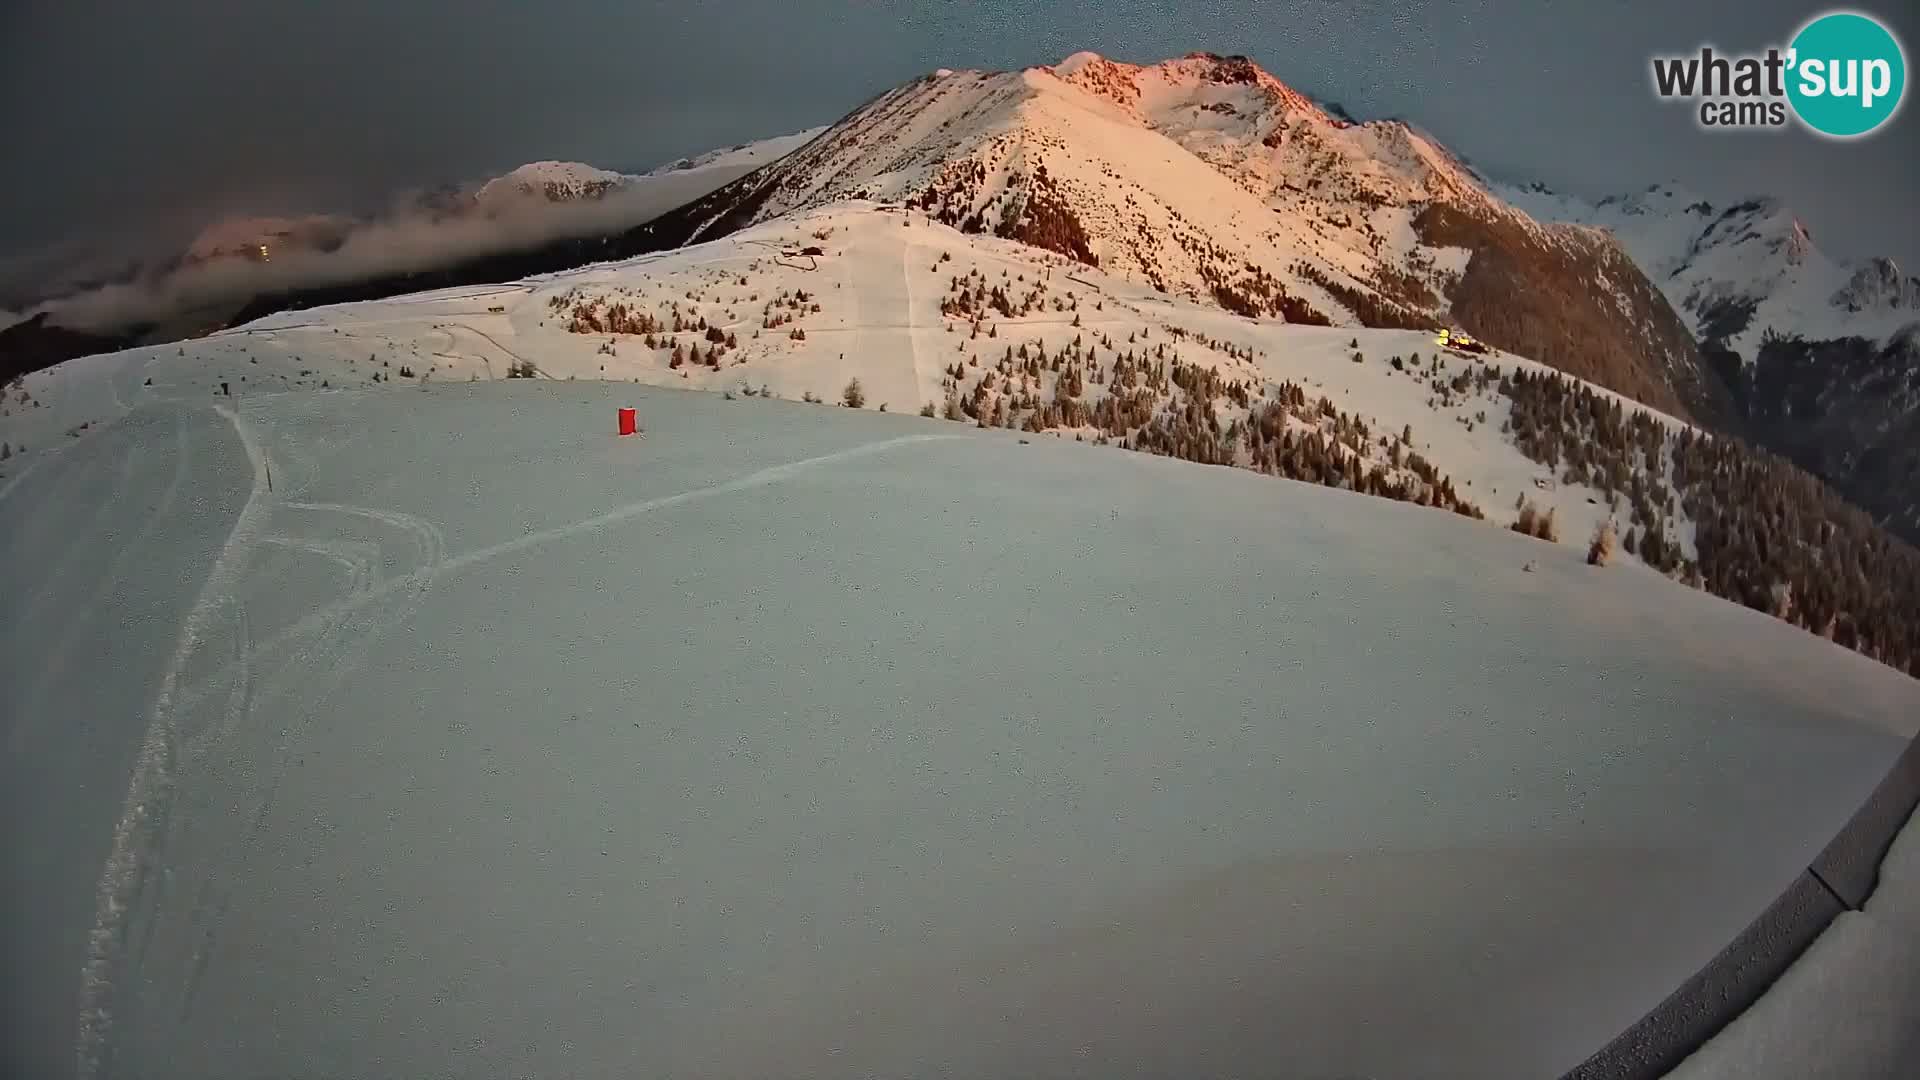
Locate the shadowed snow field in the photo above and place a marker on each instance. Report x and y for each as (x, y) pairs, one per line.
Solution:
(793, 739)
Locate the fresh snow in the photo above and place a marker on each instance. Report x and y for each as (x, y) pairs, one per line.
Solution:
(429, 705)
(362, 702)
(795, 738)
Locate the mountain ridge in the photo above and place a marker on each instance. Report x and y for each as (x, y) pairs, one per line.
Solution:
(1209, 178)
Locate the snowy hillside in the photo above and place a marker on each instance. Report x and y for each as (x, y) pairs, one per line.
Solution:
(352, 727)
(991, 330)
(995, 331)
(1204, 178)
(403, 635)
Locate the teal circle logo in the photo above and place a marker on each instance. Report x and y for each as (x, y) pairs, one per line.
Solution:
(1846, 74)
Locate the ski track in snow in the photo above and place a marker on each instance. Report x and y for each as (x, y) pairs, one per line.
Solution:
(421, 578)
(315, 634)
(310, 636)
(329, 640)
(151, 788)
(163, 936)
(7, 488)
(920, 383)
(426, 535)
(316, 642)
(336, 648)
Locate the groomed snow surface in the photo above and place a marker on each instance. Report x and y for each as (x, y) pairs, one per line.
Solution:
(433, 729)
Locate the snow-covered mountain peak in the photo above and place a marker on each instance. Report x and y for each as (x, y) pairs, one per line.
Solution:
(1205, 177)
(1072, 65)
(1162, 167)
(1228, 94)
(1759, 237)
(1739, 270)
(1110, 79)
(556, 181)
(1270, 138)
(1665, 198)
(1879, 285)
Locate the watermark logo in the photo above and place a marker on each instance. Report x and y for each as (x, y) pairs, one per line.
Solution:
(1842, 75)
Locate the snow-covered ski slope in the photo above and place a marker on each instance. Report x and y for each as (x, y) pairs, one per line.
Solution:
(879, 288)
(795, 738)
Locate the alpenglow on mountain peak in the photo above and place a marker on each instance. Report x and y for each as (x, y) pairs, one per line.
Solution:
(1206, 177)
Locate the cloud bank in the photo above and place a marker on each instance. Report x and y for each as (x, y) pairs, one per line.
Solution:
(409, 240)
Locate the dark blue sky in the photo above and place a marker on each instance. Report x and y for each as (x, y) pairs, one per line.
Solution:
(126, 120)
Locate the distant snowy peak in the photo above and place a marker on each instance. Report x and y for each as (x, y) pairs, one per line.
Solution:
(1757, 225)
(760, 152)
(1741, 270)
(573, 181)
(555, 181)
(1878, 285)
(1673, 232)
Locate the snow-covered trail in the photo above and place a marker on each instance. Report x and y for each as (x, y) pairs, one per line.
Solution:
(435, 563)
(102, 554)
(489, 699)
(924, 382)
(151, 790)
(566, 753)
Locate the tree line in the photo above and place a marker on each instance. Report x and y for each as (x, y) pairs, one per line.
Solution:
(1766, 533)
